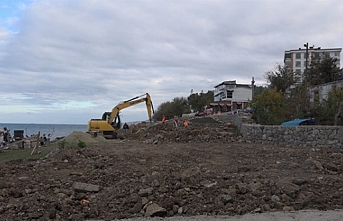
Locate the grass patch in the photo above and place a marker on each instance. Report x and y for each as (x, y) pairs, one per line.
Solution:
(25, 154)
(62, 144)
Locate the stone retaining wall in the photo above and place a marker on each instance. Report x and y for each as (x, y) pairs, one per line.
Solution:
(310, 135)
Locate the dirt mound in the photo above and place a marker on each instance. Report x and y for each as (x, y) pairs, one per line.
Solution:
(204, 120)
(77, 137)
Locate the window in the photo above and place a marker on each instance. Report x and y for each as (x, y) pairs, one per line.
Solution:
(298, 64)
(337, 54)
(229, 94)
(298, 55)
(317, 54)
(298, 71)
(316, 96)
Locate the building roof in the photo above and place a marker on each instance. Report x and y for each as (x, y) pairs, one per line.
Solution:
(232, 83)
(314, 49)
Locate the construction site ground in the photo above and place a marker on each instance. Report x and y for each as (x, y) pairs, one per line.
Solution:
(206, 170)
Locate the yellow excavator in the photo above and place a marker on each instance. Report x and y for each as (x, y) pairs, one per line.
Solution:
(110, 121)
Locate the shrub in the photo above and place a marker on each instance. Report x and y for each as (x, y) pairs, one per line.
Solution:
(81, 144)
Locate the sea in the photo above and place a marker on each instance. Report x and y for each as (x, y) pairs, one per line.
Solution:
(52, 131)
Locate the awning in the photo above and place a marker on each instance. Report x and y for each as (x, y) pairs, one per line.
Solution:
(213, 104)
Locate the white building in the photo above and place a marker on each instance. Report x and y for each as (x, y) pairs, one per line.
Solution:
(229, 96)
(321, 92)
(295, 60)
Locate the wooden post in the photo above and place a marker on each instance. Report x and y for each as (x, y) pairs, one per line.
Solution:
(35, 149)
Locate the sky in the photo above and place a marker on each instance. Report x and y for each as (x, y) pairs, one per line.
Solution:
(68, 61)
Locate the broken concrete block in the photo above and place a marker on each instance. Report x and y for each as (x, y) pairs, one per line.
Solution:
(155, 210)
(85, 187)
(145, 192)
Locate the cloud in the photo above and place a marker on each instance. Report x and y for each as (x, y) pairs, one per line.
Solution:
(86, 56)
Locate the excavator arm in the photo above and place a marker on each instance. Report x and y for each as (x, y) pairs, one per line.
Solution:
(131, 102)
(111, 120)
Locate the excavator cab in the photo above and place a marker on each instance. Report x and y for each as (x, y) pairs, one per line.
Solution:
(106, 116)
(116, 124)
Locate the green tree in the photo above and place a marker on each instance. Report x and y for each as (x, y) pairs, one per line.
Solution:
(322, 69)
(325, 111)
(281, 78)
(259, 89)
(180, 106)
(163, 109)
(197, 101)
(170, 109)
(298, 103)
(270, 107)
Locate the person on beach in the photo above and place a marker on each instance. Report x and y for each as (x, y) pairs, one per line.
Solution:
(5, 135)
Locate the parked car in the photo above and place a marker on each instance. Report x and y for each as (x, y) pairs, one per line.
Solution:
(249, 110)
(201, 113)
(237, 111)
(298, 122)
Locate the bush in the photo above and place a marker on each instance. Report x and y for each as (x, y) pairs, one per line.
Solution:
(81, 144)
(62, 144)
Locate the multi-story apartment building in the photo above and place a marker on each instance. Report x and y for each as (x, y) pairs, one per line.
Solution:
(295, 60)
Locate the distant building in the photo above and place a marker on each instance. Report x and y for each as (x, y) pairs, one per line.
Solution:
(321, 92)
(229, 96)
(295, 60)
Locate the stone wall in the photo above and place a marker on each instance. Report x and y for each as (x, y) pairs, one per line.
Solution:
(310, 135)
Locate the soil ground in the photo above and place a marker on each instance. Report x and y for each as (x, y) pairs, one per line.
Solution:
(205, 169)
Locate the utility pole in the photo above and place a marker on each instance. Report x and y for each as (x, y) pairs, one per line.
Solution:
(307, 97)
(252, 87)
(306, 58)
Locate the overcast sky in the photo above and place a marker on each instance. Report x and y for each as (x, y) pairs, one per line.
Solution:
(67, 61)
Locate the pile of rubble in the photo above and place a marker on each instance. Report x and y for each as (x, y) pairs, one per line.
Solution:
(200, 130)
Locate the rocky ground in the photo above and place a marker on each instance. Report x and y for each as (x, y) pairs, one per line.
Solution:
(160, 170)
